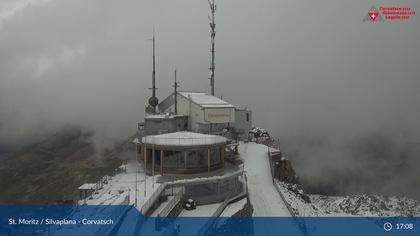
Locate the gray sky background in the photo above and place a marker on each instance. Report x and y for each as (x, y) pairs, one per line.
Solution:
(341, 94)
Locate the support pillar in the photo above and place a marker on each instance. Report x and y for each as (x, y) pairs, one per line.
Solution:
(185, 159)
(208, 160)
(153, 160)
(145, 159)
(145, 168)
(153, 166)
(137, 152)
(222, 153)
(161, 162)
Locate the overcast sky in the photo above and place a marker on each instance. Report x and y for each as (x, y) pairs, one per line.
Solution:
(315, 75)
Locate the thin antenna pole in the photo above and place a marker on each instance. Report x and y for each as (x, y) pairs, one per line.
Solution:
(153, 101)
(176, 85)
(154, 68)
(212, 35)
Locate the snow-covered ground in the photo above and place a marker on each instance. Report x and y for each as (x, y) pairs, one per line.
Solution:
(123, 189)
(366, 205)
(264, 197)
(298, 205)
(353, 205)
(131, 183)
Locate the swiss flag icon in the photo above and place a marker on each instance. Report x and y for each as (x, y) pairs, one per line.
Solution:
(373, 15)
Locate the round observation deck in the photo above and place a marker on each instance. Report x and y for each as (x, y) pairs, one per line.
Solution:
(182, 152)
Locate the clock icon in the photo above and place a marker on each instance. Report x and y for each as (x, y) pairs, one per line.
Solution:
(387, 226)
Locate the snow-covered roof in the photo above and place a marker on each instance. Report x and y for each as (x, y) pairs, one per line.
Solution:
(87, 186)
(205, 100)
(162, 116)
(183, 138)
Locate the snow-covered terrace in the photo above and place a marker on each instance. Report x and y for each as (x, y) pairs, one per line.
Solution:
(130, 187)
(264, 197)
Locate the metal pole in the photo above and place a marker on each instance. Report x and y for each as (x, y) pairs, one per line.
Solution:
(153, 166)
(175, 94)
(212, 35)
(154, 68)
(154, 72)
(145, 165)
(154, 101)
(136, 179)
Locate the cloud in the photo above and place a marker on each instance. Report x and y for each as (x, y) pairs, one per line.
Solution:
(319, 78)
(11, 8)
(40, 65)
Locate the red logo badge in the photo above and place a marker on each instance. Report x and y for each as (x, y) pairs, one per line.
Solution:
(373, 15)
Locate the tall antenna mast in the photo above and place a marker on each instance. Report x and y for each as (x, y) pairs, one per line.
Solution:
(153, 101)
(212, 35)
(154, 67)
(176, 85)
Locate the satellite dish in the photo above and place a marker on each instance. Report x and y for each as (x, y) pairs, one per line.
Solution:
(153, 101)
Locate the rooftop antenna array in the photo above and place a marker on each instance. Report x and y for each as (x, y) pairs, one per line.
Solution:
(176, 85)
(153, 101)
(212, 35)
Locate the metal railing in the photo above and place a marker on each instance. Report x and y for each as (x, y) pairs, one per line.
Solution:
(151, 200)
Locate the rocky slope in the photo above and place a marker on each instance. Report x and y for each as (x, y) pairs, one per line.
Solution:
(51, 170)
(304, 204)
(366, 205)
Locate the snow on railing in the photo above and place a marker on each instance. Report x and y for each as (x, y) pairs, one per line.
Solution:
(151, 200)
(301, 225)
(170, 206)
(288, 206)
(300, 221)
(206, 179)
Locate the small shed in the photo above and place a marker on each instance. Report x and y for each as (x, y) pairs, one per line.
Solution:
(86, 190)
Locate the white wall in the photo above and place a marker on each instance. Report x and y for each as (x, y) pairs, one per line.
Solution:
(219, 115)
(199, 115)
(241, 124)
